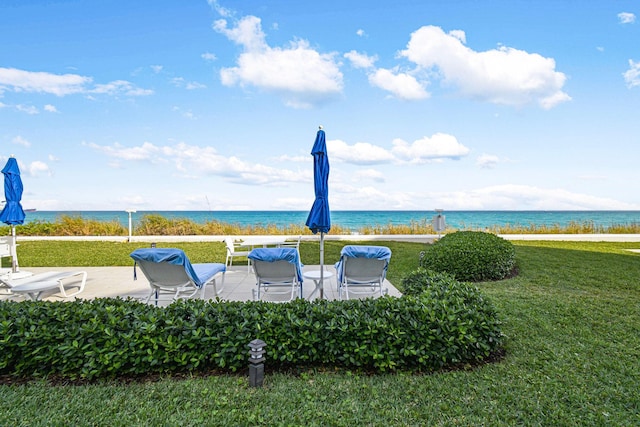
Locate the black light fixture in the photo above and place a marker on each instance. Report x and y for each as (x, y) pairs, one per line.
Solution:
(256, 362)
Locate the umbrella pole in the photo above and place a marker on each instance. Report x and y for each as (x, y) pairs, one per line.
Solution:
(14, 248)
(321, 265)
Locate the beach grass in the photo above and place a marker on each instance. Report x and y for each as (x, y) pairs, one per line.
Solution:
(571, 318)
(158, 225)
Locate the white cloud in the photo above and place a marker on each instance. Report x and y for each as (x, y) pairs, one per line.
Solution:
(188, 114)
(120, 87)
(302, 76)
(157, 68)
(370, 175)
(222, 11)
(487, 161)
(19, 140)
(29, 109)
(626, 18)
(147, 151)
(361, 33)
(247, 33)
(361, 153)
(521, 197)
(37, 167)
(511, 196)
(361, 60)
(632, 75)
(50, 108)
(502, 76)
(41, 82)
(62, 84)
(437, 147)
(297, 159)
(401, 85)
(193, 161)
(346, 196)
(207, 56)
(181, 82)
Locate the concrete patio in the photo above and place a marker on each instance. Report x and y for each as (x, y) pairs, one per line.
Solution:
(239, 283)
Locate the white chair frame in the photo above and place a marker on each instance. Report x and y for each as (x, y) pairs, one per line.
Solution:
(362, 276)
(277, 278)
(235, 249)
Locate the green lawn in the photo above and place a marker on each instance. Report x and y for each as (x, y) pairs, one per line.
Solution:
(572, 318)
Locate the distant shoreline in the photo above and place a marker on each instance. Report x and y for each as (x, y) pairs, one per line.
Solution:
(356, 220)
(425, 238)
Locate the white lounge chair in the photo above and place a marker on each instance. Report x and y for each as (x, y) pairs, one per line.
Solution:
(5, 252)
(278, 273)
(292, 243)
(37, 285)
(5, 247)
(169, 271)
(362, 270)
(235, 249)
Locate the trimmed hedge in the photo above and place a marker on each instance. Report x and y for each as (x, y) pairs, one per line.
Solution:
(471, 256)
(107, 338)
(421, 280)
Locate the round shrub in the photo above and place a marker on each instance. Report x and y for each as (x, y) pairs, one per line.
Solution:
(421, 280)
(472, 256)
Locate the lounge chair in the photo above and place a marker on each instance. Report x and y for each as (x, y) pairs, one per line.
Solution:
(169, 271)
(35, 286)
(362, 269)
(5, 247)
(292, 243)
(5, 251)
(235, 249)
(278, 273)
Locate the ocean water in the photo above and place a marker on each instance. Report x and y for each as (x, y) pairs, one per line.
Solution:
(354, 220)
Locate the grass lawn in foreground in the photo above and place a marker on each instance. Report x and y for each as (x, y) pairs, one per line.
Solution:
(572, 320)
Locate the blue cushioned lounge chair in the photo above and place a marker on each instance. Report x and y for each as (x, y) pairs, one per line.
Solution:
(362, 269)
(169, 271)
(278, 273)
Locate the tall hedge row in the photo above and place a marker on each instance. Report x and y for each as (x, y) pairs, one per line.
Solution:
(108, 337)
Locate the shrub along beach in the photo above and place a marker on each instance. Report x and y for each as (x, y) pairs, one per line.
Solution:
(569, 321)
(155, 224)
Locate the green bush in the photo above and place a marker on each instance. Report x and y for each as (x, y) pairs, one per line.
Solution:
(107, 338)
(421, 279)
(472, 256)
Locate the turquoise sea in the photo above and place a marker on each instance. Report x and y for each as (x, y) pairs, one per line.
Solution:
(357, 219)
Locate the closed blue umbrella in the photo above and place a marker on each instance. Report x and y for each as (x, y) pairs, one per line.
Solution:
(319, 219)
(12, 213)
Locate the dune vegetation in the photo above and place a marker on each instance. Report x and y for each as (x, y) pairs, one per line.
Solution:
(158, 225)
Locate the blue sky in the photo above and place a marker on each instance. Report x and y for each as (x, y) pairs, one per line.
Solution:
(198, 105)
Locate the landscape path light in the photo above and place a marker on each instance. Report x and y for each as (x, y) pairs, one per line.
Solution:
(256, 362)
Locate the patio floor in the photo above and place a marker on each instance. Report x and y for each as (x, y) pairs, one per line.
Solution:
(239, 283)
